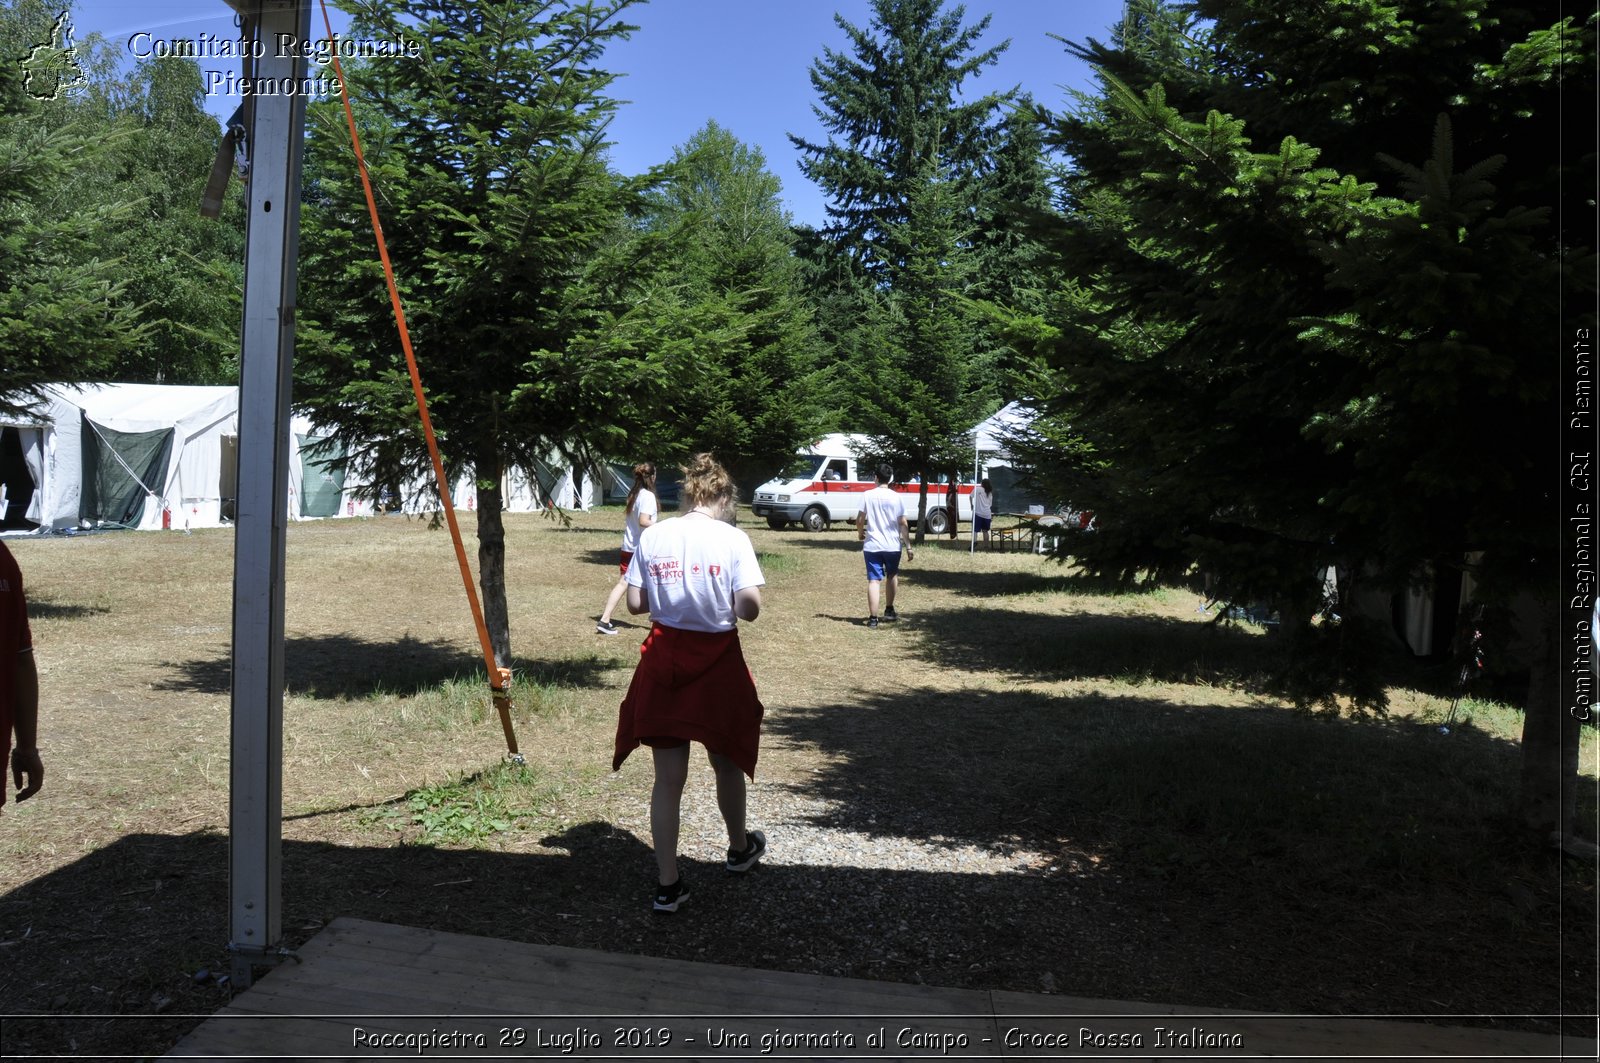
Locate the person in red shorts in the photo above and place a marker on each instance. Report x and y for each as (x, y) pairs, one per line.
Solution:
(697, 576)
(641, 513)
(19, 684)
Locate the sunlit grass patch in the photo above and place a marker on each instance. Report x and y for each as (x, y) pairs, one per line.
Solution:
(469, 810)
(778, 564)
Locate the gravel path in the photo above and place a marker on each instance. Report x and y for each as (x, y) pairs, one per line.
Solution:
(799, 832)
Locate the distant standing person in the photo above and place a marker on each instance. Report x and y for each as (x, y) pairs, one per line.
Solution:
(19, 684)
(983, 508)
(641, 510)
(881, 527)
(697, 576)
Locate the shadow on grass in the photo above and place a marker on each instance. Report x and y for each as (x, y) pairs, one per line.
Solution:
(600, 556)
(1148, 782)
(858, 620)
(1049, 580)
(1050, 646)
(85, 980)
(832, 539)
(343, 666)
(44, 609)
(1243, 828)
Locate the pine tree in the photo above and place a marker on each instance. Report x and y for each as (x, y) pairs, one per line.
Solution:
(903, 169)
(1287, 335)
(508, 233)
(64, 309)
(729, 251)
(184, 272)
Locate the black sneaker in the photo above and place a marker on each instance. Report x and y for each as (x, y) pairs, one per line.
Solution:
(890, 614)
(605, 627)
(669, 897)
(755, 847)
(872, 621)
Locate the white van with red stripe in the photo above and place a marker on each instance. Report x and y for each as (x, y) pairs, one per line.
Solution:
(826, 481)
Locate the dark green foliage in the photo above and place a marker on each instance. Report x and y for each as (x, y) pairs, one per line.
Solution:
(910, 169)
(107, 272)
(890, 108)
(510, 238)
(1290, 334)
(184, 272)
(728, 256)
(63, 310)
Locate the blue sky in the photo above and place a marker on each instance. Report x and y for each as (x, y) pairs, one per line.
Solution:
(743, 63)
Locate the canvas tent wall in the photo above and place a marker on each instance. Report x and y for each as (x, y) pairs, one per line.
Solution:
(325, 481)
(992, 457)
(22, 459)
(124, 455)
(148, 455)
(521, 490)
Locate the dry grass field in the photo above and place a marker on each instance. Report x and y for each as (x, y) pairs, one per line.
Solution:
(1024, 784)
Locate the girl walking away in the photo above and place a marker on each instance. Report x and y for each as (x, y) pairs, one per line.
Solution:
(641, 511)
(697, 576)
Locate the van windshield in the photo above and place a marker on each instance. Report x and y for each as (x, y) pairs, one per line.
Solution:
(803, 467)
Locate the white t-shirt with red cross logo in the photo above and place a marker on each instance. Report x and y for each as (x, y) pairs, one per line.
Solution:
(689, 568)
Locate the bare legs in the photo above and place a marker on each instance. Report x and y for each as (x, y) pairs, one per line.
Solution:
(616, 596)
(730, 799)
(888, 586)
(666, 799)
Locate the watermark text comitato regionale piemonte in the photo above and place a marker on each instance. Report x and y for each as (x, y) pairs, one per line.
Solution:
(320, 52)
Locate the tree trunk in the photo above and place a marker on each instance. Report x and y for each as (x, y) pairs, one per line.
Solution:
(953, 500)
(922, 505)
(1549, 734)
(492, 557)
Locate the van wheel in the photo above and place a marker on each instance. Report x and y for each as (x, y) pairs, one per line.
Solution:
(814, 519)
(777, 523)
(938, 522)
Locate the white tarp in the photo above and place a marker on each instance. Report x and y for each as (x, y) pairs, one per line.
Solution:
(196, 485)
(186, 487)
(993, 434)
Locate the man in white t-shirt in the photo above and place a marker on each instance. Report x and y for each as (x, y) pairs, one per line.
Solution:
(881, 527)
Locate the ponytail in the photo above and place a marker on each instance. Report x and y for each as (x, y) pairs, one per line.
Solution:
(644, 479)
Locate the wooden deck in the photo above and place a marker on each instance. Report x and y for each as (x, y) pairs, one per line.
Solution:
(371, 990)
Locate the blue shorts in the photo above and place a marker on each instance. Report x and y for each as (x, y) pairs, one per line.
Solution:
(881, 563)
(982, 523)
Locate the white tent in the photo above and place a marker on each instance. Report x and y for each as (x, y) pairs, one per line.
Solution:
(521, 490)
(321, 484)
(127, 455)
(148, 456)
(993, 434)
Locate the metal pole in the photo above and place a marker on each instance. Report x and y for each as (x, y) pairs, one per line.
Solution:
(972, 546)
(276, 141)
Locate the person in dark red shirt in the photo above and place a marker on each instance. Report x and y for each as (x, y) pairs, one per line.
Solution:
(19, 684)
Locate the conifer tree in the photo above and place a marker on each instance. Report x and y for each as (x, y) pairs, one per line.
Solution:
(508, 231)
(729, 252)
(1290, 335)
(64, 311)
(903, 167)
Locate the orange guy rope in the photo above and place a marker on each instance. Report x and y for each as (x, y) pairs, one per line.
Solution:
(499, 678)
